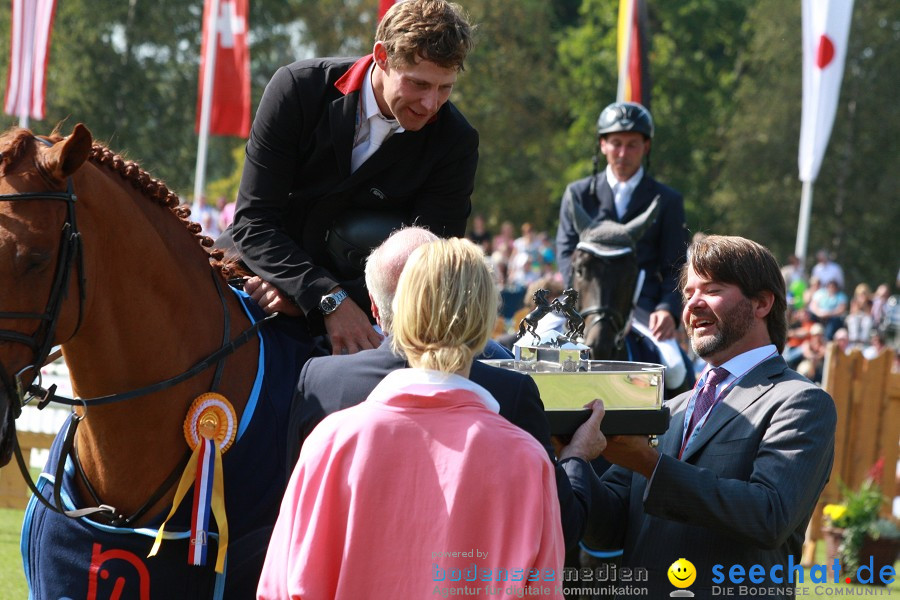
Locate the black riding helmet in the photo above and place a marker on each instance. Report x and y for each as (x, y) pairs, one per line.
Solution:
(625, 116)
(621, 116)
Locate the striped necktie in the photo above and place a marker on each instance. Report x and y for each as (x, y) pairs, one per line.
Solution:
(706, 398)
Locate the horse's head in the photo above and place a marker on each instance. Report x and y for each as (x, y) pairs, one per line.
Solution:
(604, 274)
(39, 253)
(541, 297)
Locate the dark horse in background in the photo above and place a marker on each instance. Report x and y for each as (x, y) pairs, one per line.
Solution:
(605, 274)
(147, 324)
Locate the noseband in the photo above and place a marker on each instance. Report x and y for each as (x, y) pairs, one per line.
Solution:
(605, 313)
(69, 256)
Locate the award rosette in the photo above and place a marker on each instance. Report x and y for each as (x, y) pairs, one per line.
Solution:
(209, 429)
(567, 378)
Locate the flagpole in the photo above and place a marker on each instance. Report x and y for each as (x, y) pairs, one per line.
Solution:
(212, 40)
(626, 51)
(26, 91)
(803, 223)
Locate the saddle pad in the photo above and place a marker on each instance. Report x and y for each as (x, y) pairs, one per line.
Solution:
(78, 558)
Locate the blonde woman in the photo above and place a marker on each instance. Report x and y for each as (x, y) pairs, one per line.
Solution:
(423, 488)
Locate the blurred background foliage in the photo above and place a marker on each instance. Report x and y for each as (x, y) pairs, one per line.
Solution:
(726, 94)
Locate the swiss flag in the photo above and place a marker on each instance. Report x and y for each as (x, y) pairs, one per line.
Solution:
(826, 29)
(230, 107)
(384, 5)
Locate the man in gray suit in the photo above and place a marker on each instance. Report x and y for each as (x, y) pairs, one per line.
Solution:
(736, 477)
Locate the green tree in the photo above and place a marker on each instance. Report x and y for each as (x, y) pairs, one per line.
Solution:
(854, 201)
(511, 92)
(129, 71)
(694, 46)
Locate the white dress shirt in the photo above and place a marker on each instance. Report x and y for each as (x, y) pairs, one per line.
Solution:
(622, 190)
(372, 128)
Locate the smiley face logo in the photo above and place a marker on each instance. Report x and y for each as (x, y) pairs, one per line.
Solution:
(682, 573)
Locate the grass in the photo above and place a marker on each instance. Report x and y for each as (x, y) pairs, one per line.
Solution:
(12, 578)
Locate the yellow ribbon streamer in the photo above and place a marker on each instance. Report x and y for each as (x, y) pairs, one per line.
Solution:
(218, 510)
(218, 504)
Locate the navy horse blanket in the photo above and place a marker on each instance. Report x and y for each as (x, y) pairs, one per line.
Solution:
(83, 559)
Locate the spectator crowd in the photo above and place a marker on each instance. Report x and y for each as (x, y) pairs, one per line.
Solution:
(820, 310)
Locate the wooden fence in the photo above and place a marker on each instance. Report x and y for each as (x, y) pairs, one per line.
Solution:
(867, 397)
(14, 493)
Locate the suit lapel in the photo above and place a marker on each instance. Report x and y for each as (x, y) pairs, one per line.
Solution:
(742, 395)
(396, 146)
(670, 443)
(342, 115)
(607, 206)
(640, 199)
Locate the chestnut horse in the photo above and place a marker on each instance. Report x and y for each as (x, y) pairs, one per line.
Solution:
(146, 324)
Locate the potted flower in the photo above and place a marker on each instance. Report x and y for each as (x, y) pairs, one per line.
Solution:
(855, 533)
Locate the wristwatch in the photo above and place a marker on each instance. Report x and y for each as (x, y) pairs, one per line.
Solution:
(329, 302)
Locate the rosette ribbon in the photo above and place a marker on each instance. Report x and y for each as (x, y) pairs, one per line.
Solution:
(209, 429)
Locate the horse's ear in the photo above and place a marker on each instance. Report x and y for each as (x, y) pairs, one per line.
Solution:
(66, 157)
(638, 225)
(580, 217)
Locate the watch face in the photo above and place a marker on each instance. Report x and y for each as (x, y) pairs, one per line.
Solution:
(328, 305)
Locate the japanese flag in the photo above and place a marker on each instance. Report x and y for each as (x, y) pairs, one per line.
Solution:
(826, 28)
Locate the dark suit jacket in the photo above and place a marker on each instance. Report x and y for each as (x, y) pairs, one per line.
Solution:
(297, 180)
(331, 383)
(742, 493)
(661, 250)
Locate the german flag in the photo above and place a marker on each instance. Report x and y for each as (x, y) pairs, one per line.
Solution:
(634, 78)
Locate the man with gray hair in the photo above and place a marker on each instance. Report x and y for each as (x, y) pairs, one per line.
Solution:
(331, 383)
(383, 268)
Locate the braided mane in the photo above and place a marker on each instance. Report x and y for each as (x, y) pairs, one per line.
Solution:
(156, 190)
(16, 142)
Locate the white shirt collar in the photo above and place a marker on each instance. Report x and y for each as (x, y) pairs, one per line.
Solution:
(630, 184)
(426, 382)
(742, 363)
(370, 105)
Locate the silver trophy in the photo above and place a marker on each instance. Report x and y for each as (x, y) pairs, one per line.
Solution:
(567, 378)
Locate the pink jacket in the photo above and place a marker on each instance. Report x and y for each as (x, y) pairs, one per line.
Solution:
(420, 488)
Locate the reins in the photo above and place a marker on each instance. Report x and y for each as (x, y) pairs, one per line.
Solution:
(70, 254)
(605, 313)
(105, 512)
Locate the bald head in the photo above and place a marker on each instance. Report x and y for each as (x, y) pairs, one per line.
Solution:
(383, 268)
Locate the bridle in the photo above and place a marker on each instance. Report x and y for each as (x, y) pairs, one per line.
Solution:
(602, 313)
(41, 342)
(606, 313)
(69, 257)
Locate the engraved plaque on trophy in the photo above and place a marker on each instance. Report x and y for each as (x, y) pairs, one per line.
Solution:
(568, 379)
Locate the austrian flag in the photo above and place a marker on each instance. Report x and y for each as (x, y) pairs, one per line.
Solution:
(32, 22)
(230, 89)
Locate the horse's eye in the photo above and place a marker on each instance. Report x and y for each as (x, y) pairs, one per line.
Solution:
(34, 261)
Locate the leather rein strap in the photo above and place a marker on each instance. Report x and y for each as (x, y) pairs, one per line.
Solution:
(41, 343)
